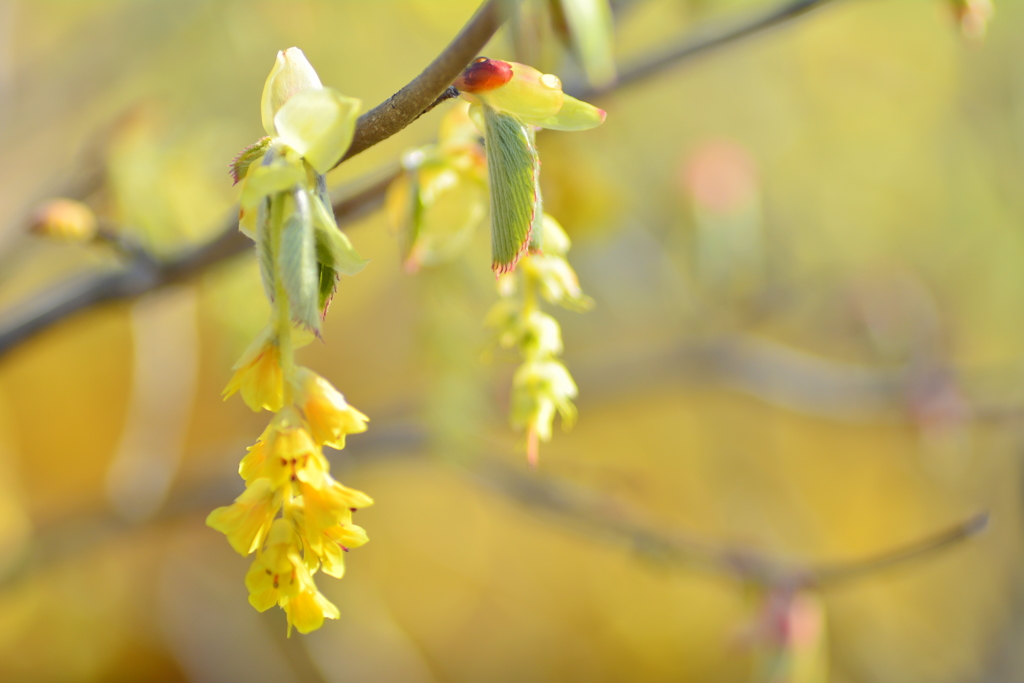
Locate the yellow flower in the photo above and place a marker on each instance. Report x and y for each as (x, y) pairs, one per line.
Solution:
(329, 417)
(246, 521)
(340, 539)
(278, 573)
(307, 610)
(258, 374)
(333, 544)
(326, 504)
(285, 449)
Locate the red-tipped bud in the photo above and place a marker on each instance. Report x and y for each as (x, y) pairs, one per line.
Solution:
(484, 74)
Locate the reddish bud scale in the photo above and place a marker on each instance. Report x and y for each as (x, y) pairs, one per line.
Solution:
(483, 75)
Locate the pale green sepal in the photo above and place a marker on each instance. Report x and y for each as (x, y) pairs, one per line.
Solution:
(318, 124)
(512, 167)
(591, 31)
(292, 73)
(333, 246)
(270, 178)
(574, 115)
(296, 264)
(529, 94)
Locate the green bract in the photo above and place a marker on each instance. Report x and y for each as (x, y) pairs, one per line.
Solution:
(507, 101)
(318, 124)
(284, 203)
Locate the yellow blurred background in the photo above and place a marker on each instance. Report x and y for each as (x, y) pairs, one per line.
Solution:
(807, 256)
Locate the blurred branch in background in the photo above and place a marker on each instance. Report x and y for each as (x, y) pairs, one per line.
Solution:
(143, 273)
(405, 106)
(710, 40)
(582, 509)
(606, 518)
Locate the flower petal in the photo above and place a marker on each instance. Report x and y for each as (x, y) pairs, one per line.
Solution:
(318, 124)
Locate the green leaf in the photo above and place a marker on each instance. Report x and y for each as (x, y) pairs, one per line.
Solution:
(265, 245)
(318, 124)
(297, 266)
(333, 246)
(240, 164)
(512, 167)
(335, 254)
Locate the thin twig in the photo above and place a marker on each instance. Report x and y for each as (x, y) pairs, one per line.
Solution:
(143, 273)
(406, 105)
(700, 45)
(141, 276)
(582, 509)
(836, 573)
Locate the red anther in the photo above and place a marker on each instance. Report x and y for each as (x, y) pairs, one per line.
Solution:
(483, 75)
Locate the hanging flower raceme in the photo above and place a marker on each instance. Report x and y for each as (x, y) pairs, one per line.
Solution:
(541, 386)
(293, 514)
(507, 102)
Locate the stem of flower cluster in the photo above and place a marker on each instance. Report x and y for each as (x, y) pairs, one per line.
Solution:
(283, 325)
(284, 337)
(529, 294)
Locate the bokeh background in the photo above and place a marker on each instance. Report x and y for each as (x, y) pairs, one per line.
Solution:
(807, 255)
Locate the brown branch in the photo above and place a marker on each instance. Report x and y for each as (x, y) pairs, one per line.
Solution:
(578, 507)
(406, 105)
(926, 547)
(600, 516)
(145, 274)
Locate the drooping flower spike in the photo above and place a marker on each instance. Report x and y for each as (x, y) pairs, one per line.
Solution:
(301, 252)
(507, 102)
(542, 386)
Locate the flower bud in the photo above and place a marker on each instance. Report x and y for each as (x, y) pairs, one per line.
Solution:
(533, 97)
(65, 219)
(292, 73)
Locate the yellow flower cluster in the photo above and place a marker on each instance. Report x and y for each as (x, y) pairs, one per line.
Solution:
(286, 472)
(542, 385)
(293, 514)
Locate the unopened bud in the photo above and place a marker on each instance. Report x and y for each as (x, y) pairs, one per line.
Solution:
(65, 219)
(292, 73)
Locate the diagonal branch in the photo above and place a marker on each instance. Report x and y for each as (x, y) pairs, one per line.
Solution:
(142, 275)
(699, 45)
(406, 105)
(581, 509)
